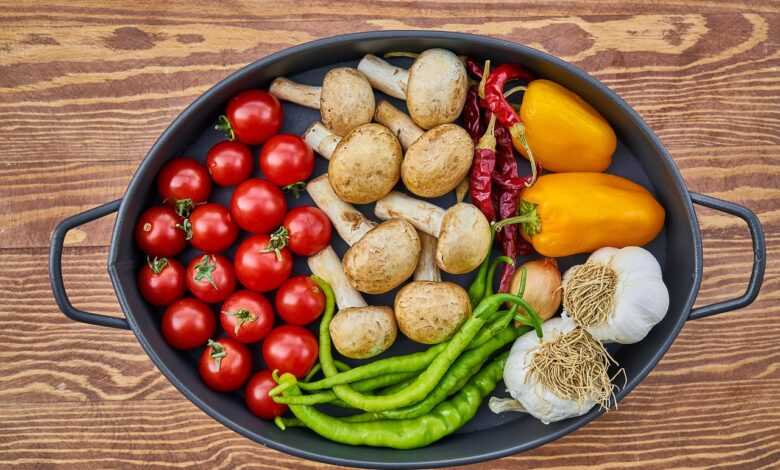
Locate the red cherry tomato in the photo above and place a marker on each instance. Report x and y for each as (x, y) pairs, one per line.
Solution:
(258, 206)
(252, 117)
(225, 365)
(211, 278)
(247, 316)
(182, 183)
(188, 324)
(161, 280)
(286, 159)
(159, 232)
(290, 348)
(259, 268)
(229, 163)
(212, 228)
(308, 230)
(299, 301)
(257, 399)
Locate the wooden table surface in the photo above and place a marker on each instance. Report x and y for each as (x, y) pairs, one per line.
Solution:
(86, 88)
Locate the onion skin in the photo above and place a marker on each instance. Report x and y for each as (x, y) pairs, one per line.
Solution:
(542, 286)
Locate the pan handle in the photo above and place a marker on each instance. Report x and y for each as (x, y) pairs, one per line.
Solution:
(759, 256)
(55, 268)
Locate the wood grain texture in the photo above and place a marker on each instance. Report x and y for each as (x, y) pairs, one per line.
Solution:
(86, 88)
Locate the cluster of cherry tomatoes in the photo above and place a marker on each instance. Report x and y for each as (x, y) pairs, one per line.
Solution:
(262, 263)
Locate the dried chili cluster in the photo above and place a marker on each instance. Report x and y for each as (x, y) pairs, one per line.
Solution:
(495, 181)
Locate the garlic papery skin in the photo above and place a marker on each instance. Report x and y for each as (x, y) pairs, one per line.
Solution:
(536, 399)
(640, 300)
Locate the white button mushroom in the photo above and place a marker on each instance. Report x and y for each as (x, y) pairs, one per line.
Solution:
(358, 330)
(364, 165)
(434, 87)
(436, 161)
(427, 310)
(431, 312)
(345, 99)
(380, 257)
(463, 231)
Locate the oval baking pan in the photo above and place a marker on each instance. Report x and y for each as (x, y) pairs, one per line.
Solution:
(640, 156)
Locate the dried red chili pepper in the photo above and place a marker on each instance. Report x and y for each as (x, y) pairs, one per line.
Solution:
(508, 186)
(495, 100)
(482, 169)
(472, 119)
(473, 67)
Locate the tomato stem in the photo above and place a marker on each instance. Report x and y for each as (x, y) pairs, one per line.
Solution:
(277, 241)
(186, 227)
(204, 270)
(184, 207)
(242, 316)
(223, 125)
(217, 352)
(157, 264)
(296, 188)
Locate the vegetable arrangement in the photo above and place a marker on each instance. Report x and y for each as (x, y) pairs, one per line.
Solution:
(460, 134)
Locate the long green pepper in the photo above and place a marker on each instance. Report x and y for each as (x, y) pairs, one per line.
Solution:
(461, 371)
(365, 385)
(428, 379)
(446, 418)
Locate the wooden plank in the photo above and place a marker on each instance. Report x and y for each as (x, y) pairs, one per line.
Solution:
(111, 84)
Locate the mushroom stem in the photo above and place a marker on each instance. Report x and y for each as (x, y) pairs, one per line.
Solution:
(385, 77)
(298, 93)
(327, 265)
(321, 139)
(462, 189)
(426, 266)
(399, 122)
(350, 223)
(423, 215)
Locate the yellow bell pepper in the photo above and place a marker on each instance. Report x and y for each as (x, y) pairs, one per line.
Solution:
(564, 132)
(569, 213)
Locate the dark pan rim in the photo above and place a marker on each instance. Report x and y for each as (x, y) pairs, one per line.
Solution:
(575, 423)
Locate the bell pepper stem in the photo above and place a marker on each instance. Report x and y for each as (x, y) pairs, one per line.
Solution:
(528, 218)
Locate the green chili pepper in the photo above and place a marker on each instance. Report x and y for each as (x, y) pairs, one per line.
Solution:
(407, 363)
(397, 387)
(468, 364)
(427, 380)
(365, 385)
(342, 367)
(482, 285)
(492, 272)
(446, 418)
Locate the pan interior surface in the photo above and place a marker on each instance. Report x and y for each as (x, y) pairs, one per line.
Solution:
(639, 157)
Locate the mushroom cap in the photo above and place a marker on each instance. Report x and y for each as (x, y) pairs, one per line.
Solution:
(438, 161)
(465, 239)
(431, 312)
(436, 90)
(363, 332)
(384, 258)
(366, 164)
(346, 100)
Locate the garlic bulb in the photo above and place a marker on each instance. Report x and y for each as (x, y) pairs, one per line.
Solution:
(524, 380)
(618, 295)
